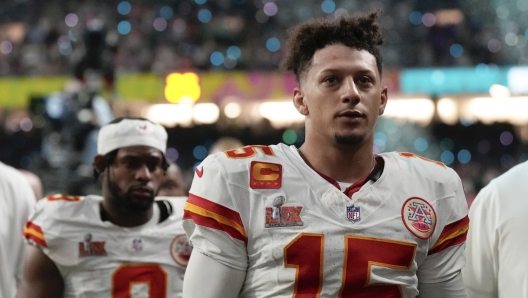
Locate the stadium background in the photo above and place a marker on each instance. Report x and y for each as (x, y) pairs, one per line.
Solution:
(456, 70)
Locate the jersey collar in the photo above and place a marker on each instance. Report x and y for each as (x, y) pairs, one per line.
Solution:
(356, 186)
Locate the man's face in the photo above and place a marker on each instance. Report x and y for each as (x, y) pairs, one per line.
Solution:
(132, 181)
(173, 184)
(341, 95)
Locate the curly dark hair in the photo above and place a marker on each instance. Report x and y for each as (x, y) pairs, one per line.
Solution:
(359, 31)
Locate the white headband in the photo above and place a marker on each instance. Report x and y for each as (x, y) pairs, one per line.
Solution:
(131, 132)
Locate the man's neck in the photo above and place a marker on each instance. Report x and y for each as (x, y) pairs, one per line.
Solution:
(343, 164)
(124, 219)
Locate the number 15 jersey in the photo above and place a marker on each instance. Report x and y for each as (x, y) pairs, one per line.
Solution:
(263, 210)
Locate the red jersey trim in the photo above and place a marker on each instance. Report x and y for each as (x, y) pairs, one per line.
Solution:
(356, 186)
(34, 232)
(209, 214)
(453, 234)
(60, 197)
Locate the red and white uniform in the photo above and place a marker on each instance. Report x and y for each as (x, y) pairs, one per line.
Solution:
(99, 259)
(262, 209)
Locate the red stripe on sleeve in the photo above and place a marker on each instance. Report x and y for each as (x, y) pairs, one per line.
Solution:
(34, 233)
(215, 208)
(33, 226)
(455, 226)
(451, 242)
(210, 214)
(453, 234)
(214, 224)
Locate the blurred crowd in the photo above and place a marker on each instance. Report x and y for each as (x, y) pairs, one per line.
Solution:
(57, 37)
(48, 37)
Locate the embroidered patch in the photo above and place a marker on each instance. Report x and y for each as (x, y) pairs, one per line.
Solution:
(353, 213)
(419, 217)
(137, 244)
(89, 248)
(265, 175)
(180, 250)
(283, 216)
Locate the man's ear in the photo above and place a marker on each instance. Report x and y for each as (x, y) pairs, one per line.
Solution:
(383, 103)
(98, 164)
(299, 102)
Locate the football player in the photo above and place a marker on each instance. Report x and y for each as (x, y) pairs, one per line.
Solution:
(497, 263)
(123, 244)
(329, 219)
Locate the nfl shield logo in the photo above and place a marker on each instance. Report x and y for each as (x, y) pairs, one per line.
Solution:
(137, 244)
(353, 213)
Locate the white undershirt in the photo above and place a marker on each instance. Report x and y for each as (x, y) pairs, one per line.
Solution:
(344, 185)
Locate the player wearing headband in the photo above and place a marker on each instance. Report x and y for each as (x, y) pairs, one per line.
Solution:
(125, 243)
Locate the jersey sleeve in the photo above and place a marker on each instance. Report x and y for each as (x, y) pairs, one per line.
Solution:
(212, 220)
(33, 230)
(43, 229)
(481, 270)
(446, 256)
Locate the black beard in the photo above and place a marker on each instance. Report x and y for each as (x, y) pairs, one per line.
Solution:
(126, 201)
(349, 140)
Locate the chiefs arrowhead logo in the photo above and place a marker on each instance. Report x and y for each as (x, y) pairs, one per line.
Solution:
(199, 172)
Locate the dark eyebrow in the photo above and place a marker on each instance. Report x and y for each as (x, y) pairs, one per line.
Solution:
(363, 71)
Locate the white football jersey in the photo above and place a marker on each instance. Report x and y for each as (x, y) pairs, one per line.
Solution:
(497, 262)
(99, 259)
(262, 209)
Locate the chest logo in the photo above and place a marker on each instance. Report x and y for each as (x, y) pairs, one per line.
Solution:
(419, 217)
(89, 248)
(180, 250)
(283, 216)
(265, 175)
(137, 244)
(353, 213)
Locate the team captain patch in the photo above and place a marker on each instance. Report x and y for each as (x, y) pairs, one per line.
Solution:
(419, 217)
(265, 175)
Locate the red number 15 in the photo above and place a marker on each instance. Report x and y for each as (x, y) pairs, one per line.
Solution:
(305, 253)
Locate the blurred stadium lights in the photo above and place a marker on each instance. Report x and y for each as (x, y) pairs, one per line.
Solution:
(281, 114)
(420, 110)
(170, 115)
(205, 113)
(485, 109)
(517, 78)
(489, 110)
(446, 17)
(499, 91)
(448, 110)
(232, 110)
(182, 87)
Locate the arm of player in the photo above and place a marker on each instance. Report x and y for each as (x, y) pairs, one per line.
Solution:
(446, 256)
(480, 272)
(41, 277)
(452, 288)
(206, 277)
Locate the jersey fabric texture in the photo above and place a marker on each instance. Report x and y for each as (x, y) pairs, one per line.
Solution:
(497, 262)
(264, 210)
(16, 203)
(99, 259)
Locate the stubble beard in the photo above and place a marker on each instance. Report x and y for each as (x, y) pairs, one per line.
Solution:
(126, 202)
(351, 140)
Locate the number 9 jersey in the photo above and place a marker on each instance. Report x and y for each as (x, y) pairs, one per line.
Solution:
(99, 259)
(263, 210)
